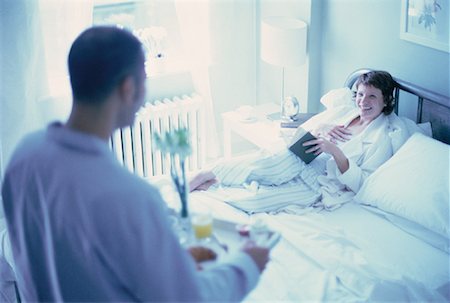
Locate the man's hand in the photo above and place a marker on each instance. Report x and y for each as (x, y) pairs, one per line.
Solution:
(333, 133)
(202, 181)
(201, 254)
(260, 255)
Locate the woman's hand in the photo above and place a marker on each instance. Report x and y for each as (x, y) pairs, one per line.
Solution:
(322, 145)
(334, 133)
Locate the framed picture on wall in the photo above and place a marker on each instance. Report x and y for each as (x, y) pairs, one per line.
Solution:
(426, 22)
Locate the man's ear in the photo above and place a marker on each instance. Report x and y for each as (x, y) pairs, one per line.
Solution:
(127, 89)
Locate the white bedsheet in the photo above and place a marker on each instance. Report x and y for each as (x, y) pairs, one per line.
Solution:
(348, 255)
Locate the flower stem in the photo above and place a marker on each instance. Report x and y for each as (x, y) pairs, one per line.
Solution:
(180, 184)
(183, 191)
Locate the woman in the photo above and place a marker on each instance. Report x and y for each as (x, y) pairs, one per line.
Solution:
(352, 143)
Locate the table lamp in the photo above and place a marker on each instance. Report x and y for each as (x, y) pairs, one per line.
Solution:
(283, 43)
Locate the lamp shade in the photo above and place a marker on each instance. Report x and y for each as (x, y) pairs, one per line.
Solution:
(283, 41)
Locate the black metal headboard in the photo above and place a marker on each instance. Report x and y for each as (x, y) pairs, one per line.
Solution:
(431, 107)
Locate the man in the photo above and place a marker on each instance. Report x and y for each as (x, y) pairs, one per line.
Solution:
(82, 227)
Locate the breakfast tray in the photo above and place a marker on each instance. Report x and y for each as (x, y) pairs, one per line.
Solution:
(229, 237)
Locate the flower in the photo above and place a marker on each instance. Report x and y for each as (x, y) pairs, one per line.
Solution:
(427, 16)
(152, 38)
(176, 143)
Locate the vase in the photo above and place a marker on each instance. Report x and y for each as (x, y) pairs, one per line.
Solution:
(183, 226)
(185, 232)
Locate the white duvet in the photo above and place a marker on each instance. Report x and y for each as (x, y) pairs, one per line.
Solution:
(348, 255)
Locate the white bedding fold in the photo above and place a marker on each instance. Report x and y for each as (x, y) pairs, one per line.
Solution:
(352, 275)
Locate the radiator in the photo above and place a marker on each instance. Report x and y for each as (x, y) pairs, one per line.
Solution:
(134, 146)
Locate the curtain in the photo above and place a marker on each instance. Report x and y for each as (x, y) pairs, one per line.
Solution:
(61, 22)
(193, 20)
(20, 81)
(234, 45)
(35, 37)
(220, 42)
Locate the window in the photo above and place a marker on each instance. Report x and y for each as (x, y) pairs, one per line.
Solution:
(154, 22)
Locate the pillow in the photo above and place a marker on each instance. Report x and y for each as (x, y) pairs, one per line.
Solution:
(402, 128)
(413, 184)
(426, 128)
(338, 97)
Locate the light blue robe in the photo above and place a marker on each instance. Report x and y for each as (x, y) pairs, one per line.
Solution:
(83, 228)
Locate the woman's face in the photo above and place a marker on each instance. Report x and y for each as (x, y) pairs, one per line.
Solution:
(370, 102)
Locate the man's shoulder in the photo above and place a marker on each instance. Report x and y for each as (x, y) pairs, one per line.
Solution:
(32, 140)
(28, 146)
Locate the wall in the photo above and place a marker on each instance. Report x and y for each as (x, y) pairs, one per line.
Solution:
(237, 74)
(366, 33)
(296, 78)
(21, 74)
(233, 52)
(169, 85)
(343, 35)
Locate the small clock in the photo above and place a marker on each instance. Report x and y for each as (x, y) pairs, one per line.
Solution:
(290, 108)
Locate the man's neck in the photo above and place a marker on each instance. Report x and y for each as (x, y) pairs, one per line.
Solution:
(93, 120)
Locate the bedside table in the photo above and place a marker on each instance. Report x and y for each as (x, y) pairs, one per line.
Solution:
(262, 132)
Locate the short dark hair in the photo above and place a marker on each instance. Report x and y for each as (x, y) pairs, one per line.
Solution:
(99, 59)
(384, 82)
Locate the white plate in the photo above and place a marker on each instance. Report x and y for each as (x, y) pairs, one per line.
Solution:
(226, 237)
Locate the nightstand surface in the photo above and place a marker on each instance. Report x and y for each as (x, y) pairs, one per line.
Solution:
(260, 131)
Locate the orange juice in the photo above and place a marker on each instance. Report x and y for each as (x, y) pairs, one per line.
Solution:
(202, 224)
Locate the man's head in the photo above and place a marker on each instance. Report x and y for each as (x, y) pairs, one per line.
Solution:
(101, 60)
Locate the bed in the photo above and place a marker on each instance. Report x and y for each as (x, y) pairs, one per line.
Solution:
(390, 243)
(384, 246)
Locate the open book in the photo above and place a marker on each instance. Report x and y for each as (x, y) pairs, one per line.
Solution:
(300, 151)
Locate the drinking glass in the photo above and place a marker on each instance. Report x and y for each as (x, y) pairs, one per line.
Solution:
(202, 223)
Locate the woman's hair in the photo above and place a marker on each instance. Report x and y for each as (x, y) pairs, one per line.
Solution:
(99, 59)
(384, 82)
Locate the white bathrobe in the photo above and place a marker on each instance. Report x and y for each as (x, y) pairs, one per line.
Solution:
(365, 153)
